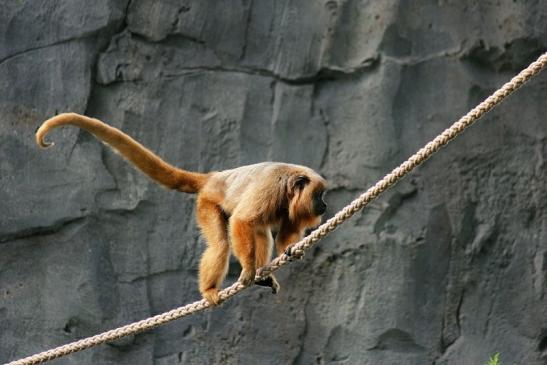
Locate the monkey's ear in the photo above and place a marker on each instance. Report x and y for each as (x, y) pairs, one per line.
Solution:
(301, 181)
(296, 183)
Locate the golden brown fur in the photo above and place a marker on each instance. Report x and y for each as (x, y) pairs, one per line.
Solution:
(236, 209)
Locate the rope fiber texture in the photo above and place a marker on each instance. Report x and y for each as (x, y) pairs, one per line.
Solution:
(297, 250)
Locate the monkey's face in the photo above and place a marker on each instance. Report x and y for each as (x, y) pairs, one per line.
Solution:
(306, 204)
(319, 205)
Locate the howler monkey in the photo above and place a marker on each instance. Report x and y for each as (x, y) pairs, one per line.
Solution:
(236, 208)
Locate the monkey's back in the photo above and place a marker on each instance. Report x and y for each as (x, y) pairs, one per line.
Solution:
(242, 184)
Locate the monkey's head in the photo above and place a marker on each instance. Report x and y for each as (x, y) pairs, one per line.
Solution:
(305, 191)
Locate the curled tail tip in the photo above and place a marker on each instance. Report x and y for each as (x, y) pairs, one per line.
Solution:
(49, 124)
(40, 141)
(44, 144)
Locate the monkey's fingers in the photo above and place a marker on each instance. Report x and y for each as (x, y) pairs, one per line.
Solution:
(275, 285)
(293, 255)
(270, 282)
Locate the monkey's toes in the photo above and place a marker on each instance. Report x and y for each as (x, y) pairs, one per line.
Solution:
(211, 295)
(247, 277)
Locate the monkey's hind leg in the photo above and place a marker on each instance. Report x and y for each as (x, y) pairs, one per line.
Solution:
(214, 262)
(263, 253)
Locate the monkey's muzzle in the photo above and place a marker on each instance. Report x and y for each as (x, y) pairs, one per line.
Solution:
(319, 205)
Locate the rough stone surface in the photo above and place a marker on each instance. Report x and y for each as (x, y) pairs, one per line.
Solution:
(447, 268)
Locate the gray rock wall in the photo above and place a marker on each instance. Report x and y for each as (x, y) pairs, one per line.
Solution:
(447, 268)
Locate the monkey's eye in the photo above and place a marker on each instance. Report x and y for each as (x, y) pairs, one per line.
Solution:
(301, 181)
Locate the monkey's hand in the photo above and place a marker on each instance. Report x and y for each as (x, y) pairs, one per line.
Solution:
(270, 282)
(293, 255)
(247, 277)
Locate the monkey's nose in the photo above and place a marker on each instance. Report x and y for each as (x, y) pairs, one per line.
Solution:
(320, 208)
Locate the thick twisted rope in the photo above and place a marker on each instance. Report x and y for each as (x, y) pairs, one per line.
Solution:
(297, 250)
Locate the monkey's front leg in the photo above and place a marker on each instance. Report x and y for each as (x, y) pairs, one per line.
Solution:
(243, 244)
(288, 234)
(263, 253)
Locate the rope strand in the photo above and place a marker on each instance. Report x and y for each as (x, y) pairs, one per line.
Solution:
(298, 249)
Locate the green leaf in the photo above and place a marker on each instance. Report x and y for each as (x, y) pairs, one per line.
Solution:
(494, 359)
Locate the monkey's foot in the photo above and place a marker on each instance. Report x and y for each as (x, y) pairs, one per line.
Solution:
(211, 295)
(247, 277)
(270, 282)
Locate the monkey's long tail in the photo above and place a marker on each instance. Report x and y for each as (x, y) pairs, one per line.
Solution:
(145, 160)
